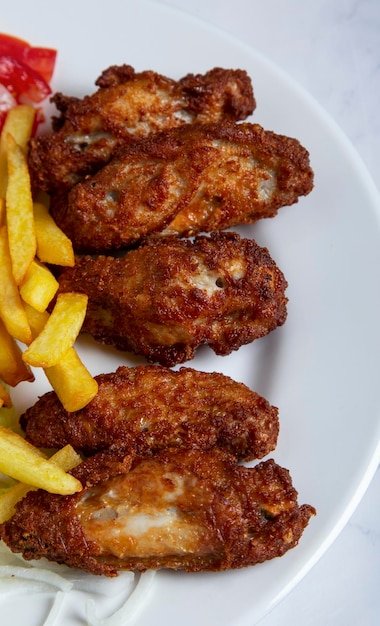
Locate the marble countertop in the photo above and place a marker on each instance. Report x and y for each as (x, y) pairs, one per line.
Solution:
(331, 48)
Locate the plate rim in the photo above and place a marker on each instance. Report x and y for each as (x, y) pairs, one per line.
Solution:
(274, 68)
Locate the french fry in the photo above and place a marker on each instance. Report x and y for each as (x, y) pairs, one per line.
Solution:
(5, 399)
(29, 237)
(11, 308)
(9, 418)
(39, 286)
(19, 123)
(52, 244)
(70, 379)
(13, 369)
(19, 211)
(11, 441)
(9, 499)
(36, 319)
(60, 332)
(66, 459)
(72, 382)
(22, 461)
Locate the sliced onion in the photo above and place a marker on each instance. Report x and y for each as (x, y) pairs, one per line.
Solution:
(55, 609)
(18, 586)
(38, 577)
(132, 605)
(41, 575)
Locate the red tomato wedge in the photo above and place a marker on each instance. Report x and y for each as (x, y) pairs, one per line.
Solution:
(42, 60)
(25, 73)
(22, 80)
(12, 46)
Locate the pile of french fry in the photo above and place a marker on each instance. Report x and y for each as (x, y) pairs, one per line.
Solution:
(30, 336)
(34, 470)
(30, 239)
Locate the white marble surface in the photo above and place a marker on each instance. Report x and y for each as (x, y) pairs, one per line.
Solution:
(332, 48)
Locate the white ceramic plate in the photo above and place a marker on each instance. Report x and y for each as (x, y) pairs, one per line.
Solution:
(320, 369)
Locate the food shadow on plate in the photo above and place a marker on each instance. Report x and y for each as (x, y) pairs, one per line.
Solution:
(255, 364)
(101, 358)
(266, 358)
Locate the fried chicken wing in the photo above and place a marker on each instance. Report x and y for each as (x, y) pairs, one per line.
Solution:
(179, 509)
(197, 178)
(148, 408)
(128, 106)
(169, 296)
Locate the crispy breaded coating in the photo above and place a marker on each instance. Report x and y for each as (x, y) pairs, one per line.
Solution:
(197, 178)
(169, 296)
(179, 509)
(148, 408)
(127, 106)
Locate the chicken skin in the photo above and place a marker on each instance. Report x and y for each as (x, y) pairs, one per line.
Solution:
(169, 296)
(127, 106)
(148, 408)
(188, 180)
(178, 509)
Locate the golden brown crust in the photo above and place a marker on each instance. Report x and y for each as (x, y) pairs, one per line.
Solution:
(221, 515)
(148, 408)
(197, 178)
(169, 296)
(127, 106)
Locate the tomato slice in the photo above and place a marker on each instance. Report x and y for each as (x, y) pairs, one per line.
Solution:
(22, 80)
(25, 74)
(42, 60)
(12, 46)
